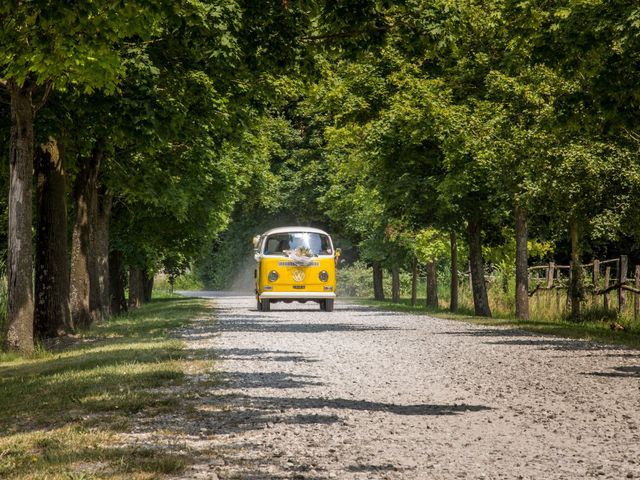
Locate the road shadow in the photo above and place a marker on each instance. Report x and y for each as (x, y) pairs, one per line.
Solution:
(488, 332)
(282, 404)
(280, 309)
(526, 339)
(372, 468)
(235, 414)
(259, 355)
(385, 313)
(239, 324)
(280, 380)
(619, 372)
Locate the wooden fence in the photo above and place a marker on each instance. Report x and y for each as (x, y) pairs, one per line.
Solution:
(600, 279)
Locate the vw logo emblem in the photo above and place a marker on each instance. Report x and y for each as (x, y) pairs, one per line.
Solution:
(298, 275)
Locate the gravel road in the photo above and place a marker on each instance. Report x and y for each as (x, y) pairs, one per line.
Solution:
(366, 394)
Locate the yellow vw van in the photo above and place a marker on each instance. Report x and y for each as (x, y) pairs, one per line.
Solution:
(295, 264)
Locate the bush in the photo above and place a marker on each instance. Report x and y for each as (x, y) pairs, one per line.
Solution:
(187, 281)
(356, 280)
(596, 314)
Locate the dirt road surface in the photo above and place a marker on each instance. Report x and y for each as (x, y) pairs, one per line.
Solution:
(366, 394)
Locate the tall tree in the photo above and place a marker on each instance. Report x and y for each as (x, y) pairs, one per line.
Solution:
(84, 261)
(41, 48)
(52, 310)
(19, 335)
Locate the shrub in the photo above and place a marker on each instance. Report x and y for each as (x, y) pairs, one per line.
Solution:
(186, 281)
(596, 314)
(356, 280)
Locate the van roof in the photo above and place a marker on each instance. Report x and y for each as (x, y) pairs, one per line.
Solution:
(295, 229)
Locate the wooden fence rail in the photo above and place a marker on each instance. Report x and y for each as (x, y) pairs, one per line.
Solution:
(553, 280)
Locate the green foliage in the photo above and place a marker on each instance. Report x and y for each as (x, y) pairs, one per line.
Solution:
(184, 281)
(71, 45)
(431, 245)
(354, 281)
(503, 255)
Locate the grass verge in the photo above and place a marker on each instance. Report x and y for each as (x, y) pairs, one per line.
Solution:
(63, 409)
(596, 331)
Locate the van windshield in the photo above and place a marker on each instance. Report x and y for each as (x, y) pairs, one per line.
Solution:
(278, 243)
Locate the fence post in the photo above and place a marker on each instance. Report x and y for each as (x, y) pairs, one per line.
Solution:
(622, 279)
(549, 286)
(414, 282)
(607, 275)
(558, 289)
(550, 272)
(569, 299)
(636, 296)
(596, 282)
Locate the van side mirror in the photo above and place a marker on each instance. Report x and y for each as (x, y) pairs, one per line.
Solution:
(256, 241)
(338, 252)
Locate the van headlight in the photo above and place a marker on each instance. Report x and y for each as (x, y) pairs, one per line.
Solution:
(324, 276)
(273, 276)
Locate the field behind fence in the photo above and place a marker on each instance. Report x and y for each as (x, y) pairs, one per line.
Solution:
(608, 288)
(611, 293)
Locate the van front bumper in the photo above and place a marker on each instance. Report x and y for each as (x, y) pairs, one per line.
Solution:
(296, 295)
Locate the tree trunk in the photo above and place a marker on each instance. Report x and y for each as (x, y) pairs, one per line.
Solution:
(432, 285)
(522, 264)
(378, 290)
(52, 316)
(480, 298)
(19, 335)
(136, 287)
(576, 291)
(414, 282)
(453, 305)
(395, 284)
(117, 283)
(102, 254)
(84, 279)
(147, 286)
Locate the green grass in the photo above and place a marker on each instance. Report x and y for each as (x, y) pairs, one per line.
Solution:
(62, 409)
(596, 331)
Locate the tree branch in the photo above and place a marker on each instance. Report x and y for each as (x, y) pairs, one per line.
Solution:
(147, 42)
(4, 83)
(45, 96)
(534, 290)
(334, 36)
(616, 286)
(630, 289)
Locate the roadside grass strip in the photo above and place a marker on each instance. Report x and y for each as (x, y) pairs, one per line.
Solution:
(595, 331)
(64, 409)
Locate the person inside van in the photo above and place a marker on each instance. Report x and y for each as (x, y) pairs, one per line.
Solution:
(283, 245)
